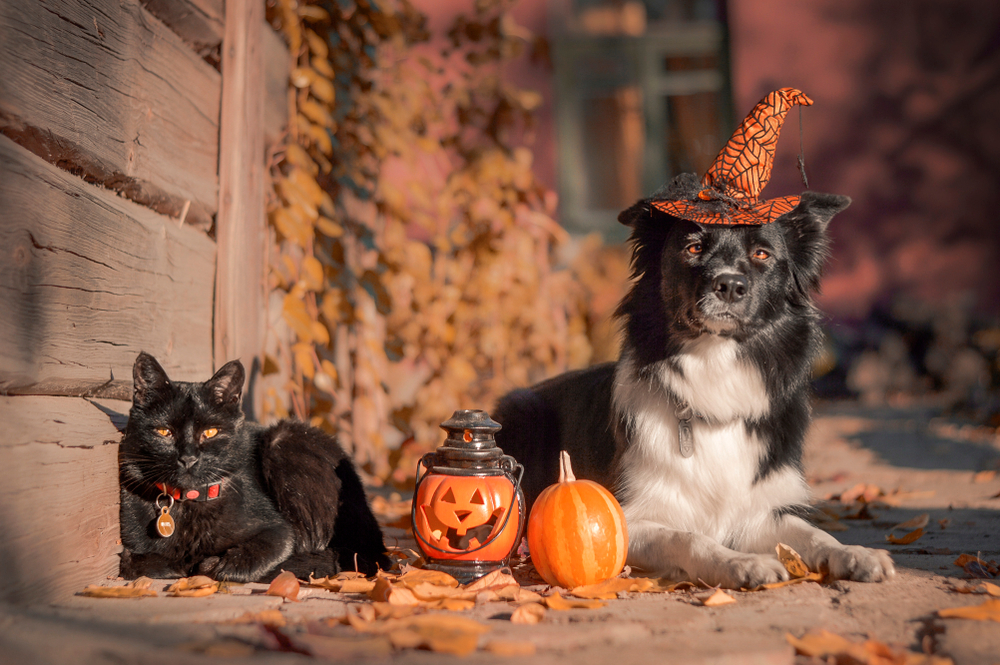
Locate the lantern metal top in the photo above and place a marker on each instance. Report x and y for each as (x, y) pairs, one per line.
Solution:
(470, 442)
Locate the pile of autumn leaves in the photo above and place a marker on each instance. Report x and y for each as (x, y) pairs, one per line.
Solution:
(418, 608)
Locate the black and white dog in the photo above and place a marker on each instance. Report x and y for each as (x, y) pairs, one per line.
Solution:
(698, 428)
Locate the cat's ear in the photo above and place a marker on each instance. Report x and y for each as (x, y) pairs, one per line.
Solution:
(226, 387)
(149, 381)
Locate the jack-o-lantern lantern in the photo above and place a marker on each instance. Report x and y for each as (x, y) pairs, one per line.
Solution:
(468, 507)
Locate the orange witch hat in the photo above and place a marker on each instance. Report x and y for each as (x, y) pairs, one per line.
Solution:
(732, 185)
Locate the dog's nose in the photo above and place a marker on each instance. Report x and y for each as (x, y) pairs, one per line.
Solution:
(730, 287)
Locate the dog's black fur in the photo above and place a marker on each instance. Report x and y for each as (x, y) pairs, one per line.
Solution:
(721, 319)
(776, 326)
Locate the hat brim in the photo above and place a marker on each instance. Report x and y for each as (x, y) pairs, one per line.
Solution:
(757, 214)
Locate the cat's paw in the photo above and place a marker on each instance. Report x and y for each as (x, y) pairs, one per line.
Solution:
(853, 562)
(234, 566)
(746, 571)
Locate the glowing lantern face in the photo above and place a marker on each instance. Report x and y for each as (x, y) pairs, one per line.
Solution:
(467, 505)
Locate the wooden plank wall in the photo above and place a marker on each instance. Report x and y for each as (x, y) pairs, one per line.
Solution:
(108, 92)
(59, 510)
(109, 196)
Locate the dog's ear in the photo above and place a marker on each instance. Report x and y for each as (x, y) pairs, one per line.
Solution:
(149, 381)
(630, 216)
(805, 234)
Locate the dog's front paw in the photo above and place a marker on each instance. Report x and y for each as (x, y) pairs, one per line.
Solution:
(853, 562)
(747, 571)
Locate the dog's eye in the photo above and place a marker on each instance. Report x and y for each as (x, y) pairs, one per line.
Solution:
(762, 255)
(163, 431)
(694, 248)
(209, 433)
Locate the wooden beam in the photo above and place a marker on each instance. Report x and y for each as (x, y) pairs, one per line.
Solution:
(88, 279)
(105, 91)
(241, 230)
(59, 498)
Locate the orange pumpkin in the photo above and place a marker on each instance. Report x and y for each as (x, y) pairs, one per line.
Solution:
(576, 531)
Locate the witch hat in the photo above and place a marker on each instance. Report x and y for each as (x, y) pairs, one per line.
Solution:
(732, 185)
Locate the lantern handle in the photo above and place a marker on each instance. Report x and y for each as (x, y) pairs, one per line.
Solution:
(517, 496)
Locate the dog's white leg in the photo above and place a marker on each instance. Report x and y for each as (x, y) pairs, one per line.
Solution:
(665, 552)
(821, 551)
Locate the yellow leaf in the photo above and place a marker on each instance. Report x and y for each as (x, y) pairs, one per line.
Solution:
(317, 45)
(306, 184)
(791, 560)
(718, 598)
(303, 353)
(530, 613)
(496, 578)
(918, 522)
(296, 155)
(988, 611)
(297, 317)
(609, 589)
(819, 643)
(312, 273)
(418, 576)
(98, 591)
(323, 90)
(809, 577)
(329, 228)
(384, 591)
(510, 648)
(193, 587)
(322, 66)
(557, 602)
(316, 113)
(905, 540)
(313, 14)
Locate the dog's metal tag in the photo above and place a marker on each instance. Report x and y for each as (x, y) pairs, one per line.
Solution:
(685, 437)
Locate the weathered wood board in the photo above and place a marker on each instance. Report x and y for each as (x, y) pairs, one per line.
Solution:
(200, 23)
(59, 498)
(105, 90)
(88, 279)
(241, 227)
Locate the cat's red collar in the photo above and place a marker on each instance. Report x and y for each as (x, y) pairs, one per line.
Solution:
(206, 493)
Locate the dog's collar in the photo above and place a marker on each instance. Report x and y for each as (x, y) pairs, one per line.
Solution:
(203, 493)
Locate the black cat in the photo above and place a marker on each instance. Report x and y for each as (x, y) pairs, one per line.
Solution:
(244, 501)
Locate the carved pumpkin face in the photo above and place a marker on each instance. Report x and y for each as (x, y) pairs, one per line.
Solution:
(457, 514)
(461, 506)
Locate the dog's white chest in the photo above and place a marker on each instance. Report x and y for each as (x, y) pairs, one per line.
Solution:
(713, 491)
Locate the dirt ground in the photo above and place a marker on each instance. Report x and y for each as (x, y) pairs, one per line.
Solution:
(920, 463)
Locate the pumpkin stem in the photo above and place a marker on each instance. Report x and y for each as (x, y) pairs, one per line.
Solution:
(565, 468)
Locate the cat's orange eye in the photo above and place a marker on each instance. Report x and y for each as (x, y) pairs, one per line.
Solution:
(163, 431)
(209, 433)
(762, 255)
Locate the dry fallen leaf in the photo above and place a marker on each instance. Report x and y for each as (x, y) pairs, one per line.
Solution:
(918, 522)
(342, 648)
(529, 613)
(609, 589)
(98, 591)
(984, 476)
(193, 587)
(988, 611)
(517, 594)
(791, 560)
(416, 576)
(716, 599)
(495, 579)
(510, 648)
(833, 648)
(809, 577)
(557, 602)
(906, 539)
(385, 592)
(286, 585)
(266, 617)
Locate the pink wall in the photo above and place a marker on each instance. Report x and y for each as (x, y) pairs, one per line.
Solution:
(906, 93)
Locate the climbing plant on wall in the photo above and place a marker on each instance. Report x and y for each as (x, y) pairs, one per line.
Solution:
(414, 249)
